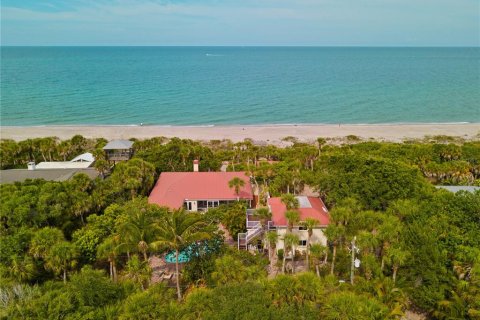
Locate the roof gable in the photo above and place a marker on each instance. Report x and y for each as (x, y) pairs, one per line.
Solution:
(84, 157)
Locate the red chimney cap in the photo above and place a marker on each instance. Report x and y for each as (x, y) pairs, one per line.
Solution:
(195, 161)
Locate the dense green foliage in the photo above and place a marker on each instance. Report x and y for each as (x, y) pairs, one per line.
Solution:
(80, 249)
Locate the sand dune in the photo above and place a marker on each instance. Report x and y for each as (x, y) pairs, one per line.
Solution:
(268, 133)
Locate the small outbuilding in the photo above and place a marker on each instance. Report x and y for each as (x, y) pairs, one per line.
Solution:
(119, 150)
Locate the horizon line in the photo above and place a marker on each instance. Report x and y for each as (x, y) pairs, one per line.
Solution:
(250, 46)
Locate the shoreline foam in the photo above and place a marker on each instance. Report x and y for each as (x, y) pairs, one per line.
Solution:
(268, 133)
(240, 124)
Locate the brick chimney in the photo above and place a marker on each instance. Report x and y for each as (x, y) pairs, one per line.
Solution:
(195, 165)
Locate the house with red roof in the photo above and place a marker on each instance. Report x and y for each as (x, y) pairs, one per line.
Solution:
(309, 207)
(199, 191)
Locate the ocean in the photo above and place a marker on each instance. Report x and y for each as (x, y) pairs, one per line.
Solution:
(202, 86)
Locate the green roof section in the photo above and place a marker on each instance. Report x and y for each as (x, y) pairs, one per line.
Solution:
(20, 175)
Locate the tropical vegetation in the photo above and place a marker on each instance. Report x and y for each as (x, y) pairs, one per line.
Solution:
(83, 249)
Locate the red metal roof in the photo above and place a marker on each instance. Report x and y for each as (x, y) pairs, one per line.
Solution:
(172, 188)
(310, 207)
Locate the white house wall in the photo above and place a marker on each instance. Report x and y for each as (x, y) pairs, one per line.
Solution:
(318, 237)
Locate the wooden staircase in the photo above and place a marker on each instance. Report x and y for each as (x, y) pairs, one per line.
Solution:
(253, 232)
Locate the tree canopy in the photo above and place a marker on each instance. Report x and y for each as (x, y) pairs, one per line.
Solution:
(82, 249)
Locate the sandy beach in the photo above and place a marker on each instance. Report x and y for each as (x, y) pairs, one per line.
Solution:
(268, 133)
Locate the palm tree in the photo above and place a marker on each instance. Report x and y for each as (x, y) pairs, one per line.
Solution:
(293, 217)
(367, 241)
(46, 146)
(184, 152)
(27, 147)
(78, 143)
(43, 240)
(321, 142)
(397, 257)
(102, 166)
(236, 184)
(138, 228)
(64, 149)
(101, 163)
(133, 182)
(61, 258)
(350, 305)
(290, 201)
(264, 214)
(340, 217)
(22, 268)
(229, 270)
(294, 169)
(309, 223)
(109, 249)
(390, 295)
(272, 238)
(289, 242)
(317, 251)
(135, 175)
(81, 203)
(138, 271)
(10, 154)
(308, 155)
(177, 230)
(388, 233)
(334, 234)
(79, 188)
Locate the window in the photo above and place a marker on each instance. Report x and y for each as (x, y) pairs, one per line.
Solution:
(302, 243)
(212, 204)
(302, 228)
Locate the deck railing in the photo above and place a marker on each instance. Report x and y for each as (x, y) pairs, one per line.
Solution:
(254, 229)
(252, 224)
(270, 225)
(241, 239)
(252, 232)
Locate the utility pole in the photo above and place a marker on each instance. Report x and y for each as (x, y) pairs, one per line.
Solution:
(352, 268)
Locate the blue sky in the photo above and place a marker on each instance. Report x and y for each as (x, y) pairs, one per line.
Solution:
(243, 22)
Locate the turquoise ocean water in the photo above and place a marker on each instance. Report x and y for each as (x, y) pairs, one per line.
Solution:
(238, 85)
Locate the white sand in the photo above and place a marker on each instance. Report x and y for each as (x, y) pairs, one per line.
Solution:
(271, 134)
